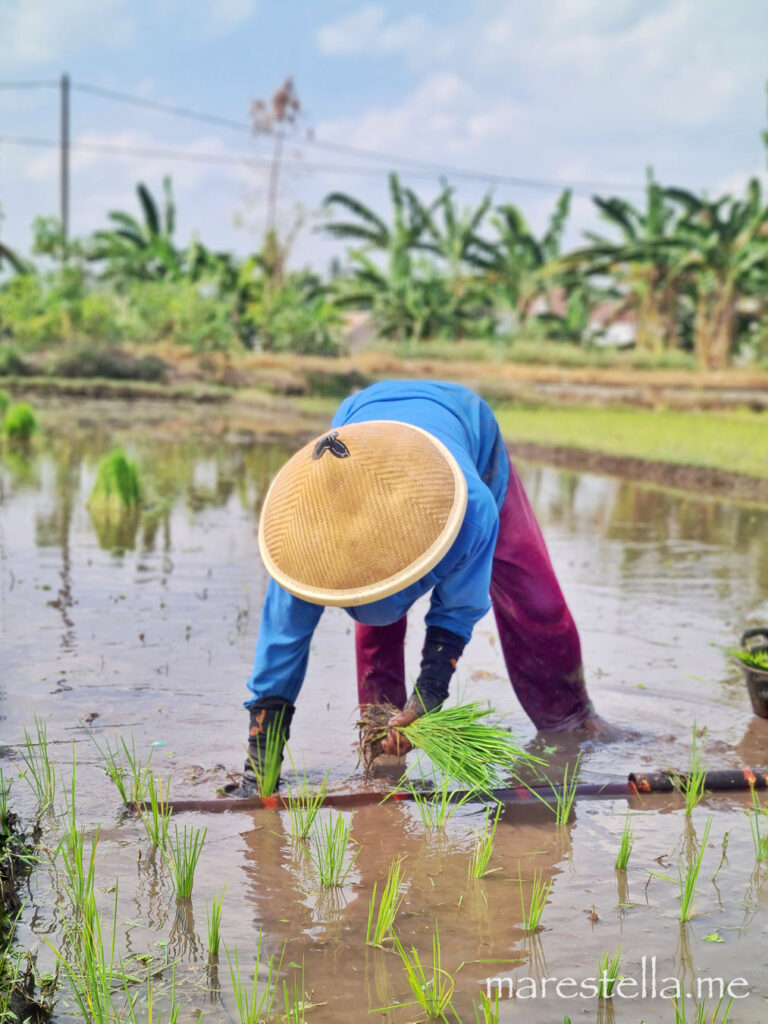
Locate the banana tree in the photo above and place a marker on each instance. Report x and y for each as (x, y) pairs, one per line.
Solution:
(141, 248)
(641, 263)
(517, 263)
(721, 254)
(406, 295)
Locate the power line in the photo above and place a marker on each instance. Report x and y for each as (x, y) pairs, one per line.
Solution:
(441, 170)
(106, 149)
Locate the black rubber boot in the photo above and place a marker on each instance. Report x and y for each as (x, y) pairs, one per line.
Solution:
(270, 724)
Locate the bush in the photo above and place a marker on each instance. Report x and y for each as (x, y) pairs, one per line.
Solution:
(20, 422)
(109, 362)
(11, 363)
(296, 317)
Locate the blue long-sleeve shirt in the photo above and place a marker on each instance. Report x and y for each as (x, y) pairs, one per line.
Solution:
(460, 581)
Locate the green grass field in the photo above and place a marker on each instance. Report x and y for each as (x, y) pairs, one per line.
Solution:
(733, 441)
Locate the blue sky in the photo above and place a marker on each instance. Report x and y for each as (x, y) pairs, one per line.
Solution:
(563, 90)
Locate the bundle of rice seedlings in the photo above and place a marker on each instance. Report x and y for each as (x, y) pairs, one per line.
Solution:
(752, 659)
(20, 422)
(464, 744)
(117, 489)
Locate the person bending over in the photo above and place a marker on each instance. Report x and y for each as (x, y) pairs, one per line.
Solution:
(411, 492)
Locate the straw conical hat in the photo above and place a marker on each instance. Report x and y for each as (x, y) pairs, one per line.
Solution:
(361, 513)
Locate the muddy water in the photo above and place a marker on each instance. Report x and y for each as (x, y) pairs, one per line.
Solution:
(150, 634)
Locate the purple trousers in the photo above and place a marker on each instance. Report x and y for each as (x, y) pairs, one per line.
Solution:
(538, 636)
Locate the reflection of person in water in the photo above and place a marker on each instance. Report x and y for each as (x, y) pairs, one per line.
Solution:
(411, 492)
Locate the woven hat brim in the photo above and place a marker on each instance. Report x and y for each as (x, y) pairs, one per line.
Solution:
(398, 581)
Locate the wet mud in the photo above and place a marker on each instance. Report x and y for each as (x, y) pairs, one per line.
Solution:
(150, 634)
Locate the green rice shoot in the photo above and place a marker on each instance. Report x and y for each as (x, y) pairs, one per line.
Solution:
(564, 794)
(213, 918)
(117, 489)
(465, 746)
(156, 817)
(705, 1014)
(752, 659)
(380, 930)
(266, 769)
(626, 844)
(182, 854)
(487, 1010)
(437, 806)
(757, 819)
(40, 770)
(691, 785)
(5, 401)
(608, 974)
(330, 843)
(532, 913)
(303, 804)
(433, 987)
(20, 422)
(254, 1000)
(483, 849)
(688, 877)
(130, 775)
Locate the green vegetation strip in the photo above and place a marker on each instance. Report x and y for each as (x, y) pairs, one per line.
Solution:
(735, 442)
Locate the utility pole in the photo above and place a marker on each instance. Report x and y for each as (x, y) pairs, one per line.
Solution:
(64, 172)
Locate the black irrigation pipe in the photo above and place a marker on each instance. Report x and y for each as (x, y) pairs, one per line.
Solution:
(637, 784)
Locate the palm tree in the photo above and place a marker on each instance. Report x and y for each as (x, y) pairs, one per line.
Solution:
(722, 255)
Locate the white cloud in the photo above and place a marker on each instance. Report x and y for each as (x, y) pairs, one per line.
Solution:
(33, 32)
(225, 15)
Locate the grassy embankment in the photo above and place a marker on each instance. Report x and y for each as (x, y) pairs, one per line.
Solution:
(735, 442)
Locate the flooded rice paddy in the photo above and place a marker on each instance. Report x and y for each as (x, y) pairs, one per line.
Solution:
(149, 633)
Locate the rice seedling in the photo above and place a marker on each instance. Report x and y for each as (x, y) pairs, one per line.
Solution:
(564, 794)
(432, 988)
(481, 854)
(625, 847)
(705, 1014)
(213, 917)
(125, 768)
(80, 871)
(267, 768)
(304, 803)
(294, 1001)
(539, 895)
(466, 747)
(487, 1011)
(436, 807)
(723, 853)
(752, 659)
(688, 877)
(91, 968)
(254, 1001)
(608, 974)
(117, 489)
(157, 817)
(330, 843)
(182, 854)
(691, 785)
(20, 422)
(40, 770)
(5, 401)
(151, 1016)
(391, 898)
(757, 817)
(5, 813)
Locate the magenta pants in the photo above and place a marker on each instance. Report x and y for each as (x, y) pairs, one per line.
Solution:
(538, 636)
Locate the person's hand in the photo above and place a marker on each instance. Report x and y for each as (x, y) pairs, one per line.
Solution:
(395, 742)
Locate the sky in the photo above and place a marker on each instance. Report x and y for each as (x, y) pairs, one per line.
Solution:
(582, 92)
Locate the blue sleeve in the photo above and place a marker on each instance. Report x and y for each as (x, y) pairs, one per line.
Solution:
(282, 649)
(462, 597)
